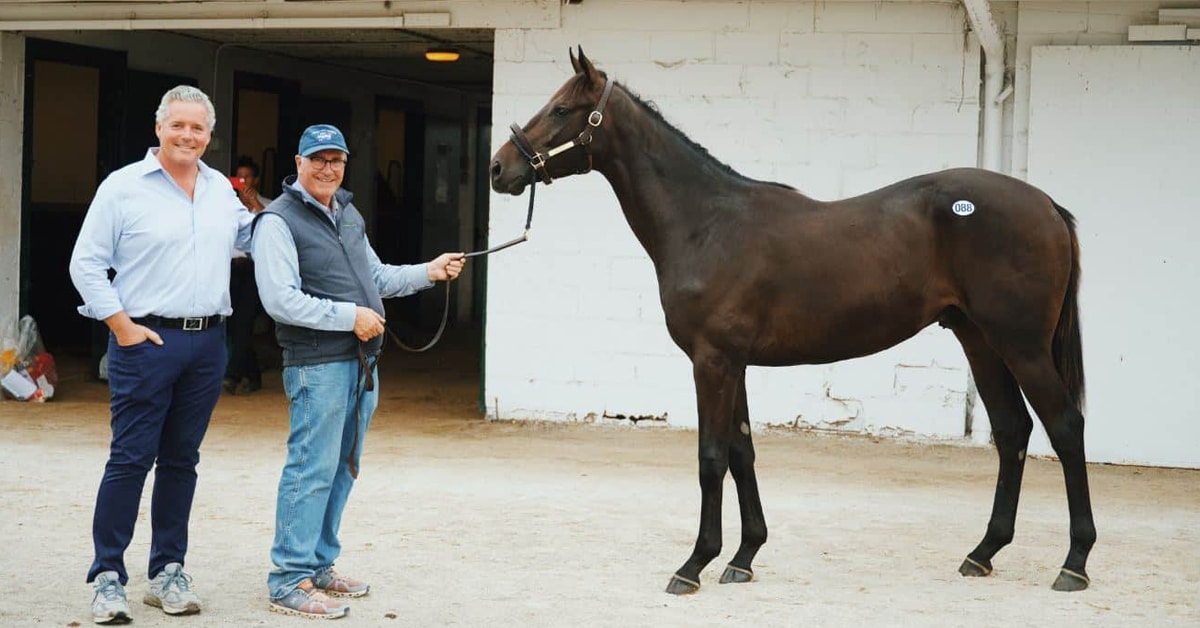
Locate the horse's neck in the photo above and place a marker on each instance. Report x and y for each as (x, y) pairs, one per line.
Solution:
(664, 185)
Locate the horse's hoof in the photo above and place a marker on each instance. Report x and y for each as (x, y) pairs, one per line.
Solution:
(736, 574)
(1071, 581)
(682, 586)
(975, 569)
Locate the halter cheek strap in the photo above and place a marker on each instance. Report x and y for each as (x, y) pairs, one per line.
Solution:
(538, 161)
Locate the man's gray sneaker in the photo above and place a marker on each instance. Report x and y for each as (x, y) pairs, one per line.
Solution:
(337, 585)
(171, 590)
(310, 602)
(109, 605)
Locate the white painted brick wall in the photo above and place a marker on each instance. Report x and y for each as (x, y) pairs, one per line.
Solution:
(833, 98)
(786, 17)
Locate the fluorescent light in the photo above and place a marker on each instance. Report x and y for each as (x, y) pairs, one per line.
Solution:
(442, 55)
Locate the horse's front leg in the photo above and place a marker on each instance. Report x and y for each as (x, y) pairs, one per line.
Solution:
(741, 466)
(717, 385)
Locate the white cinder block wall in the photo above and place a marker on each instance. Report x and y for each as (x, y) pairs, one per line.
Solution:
(833, 98)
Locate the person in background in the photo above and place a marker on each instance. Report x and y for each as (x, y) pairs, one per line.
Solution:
(168, 225)
(321, 281)
(243, 374)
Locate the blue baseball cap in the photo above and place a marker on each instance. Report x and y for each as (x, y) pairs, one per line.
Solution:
(319, 137)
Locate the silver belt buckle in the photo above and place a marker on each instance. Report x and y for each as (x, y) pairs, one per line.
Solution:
(194, 323)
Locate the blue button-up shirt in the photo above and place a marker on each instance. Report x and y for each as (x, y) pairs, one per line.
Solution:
(277, 272)
(171, 252)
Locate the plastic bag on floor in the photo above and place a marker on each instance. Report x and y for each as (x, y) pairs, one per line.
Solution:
(29, 341)
(19, 385)
(27, 371)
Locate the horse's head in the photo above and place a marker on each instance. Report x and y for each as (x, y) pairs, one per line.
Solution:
(555, 142)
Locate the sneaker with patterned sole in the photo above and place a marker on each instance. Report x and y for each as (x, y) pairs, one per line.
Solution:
(109, 605)
(308, 601)
(171, 590)
(337, 585)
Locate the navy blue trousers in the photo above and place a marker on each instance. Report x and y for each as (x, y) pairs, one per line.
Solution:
(162, 398)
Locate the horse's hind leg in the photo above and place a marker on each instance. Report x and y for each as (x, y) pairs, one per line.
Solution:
(1064, 426)
(1011, 425)
(741, 466)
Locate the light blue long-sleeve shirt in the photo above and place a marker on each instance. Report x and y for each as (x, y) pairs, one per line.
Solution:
(171, 252)
(277, 272)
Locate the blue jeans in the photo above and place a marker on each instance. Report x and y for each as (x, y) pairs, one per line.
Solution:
(316, 479)
(162, 398)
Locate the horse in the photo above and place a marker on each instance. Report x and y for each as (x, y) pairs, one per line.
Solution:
(757, 273)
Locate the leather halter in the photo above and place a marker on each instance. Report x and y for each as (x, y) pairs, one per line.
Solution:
(538, 161)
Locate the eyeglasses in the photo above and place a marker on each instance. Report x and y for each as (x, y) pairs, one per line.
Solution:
(337, 165)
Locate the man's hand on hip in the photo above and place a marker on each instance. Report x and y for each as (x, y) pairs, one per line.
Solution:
(367, 323)
(129, 333)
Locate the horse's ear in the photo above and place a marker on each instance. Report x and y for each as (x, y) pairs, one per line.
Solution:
(584, 65)
(574, 61)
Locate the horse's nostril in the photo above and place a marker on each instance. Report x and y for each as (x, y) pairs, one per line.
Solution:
(496, 168)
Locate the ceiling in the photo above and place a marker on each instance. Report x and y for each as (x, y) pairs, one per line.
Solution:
(394, 53)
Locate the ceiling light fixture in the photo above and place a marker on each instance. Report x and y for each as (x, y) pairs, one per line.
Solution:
(441, 55)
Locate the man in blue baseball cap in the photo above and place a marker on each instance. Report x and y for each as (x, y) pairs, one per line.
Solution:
(321, 281)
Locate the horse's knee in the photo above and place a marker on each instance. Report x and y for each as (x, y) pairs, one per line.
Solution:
(714, 463)
(741, 453)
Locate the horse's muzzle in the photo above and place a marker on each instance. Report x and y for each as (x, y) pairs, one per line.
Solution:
(510, 176)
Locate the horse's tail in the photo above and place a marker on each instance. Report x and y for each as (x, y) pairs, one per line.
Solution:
(1067, 345)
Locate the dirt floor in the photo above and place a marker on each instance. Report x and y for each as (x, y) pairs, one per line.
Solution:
(458, 521)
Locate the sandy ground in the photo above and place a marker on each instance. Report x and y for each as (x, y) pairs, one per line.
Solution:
(457, 521)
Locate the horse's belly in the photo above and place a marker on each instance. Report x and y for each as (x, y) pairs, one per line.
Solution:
(840, 335)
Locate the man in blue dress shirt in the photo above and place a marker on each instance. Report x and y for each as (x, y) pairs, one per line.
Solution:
(321, 281)
(168, 225)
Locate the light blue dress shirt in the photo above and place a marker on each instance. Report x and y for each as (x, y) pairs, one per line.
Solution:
(277, 272)
(171, 252)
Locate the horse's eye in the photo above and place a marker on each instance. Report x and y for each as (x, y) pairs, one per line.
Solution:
(560, 111)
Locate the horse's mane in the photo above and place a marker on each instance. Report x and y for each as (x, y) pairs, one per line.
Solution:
(651, 110)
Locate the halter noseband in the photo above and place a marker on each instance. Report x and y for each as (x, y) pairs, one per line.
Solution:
(538, 160)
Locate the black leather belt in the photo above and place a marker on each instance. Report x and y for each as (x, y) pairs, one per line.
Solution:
(191, 323)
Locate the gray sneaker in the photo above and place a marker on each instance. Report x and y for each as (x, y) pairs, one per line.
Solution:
(109, 605)
(171, 590)
(309, 602)
(338, 585)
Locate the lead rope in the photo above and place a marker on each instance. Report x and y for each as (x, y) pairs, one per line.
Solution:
(446, 309)
(366, 367)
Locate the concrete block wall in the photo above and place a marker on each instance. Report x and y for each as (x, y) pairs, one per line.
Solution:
(835, 99)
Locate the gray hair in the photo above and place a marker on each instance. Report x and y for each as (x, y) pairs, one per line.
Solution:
(185, 93)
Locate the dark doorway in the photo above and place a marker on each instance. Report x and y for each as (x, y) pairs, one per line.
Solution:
(479, 239)
(443, 159)
(266, 126)
(72, 96)
(399, 195)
